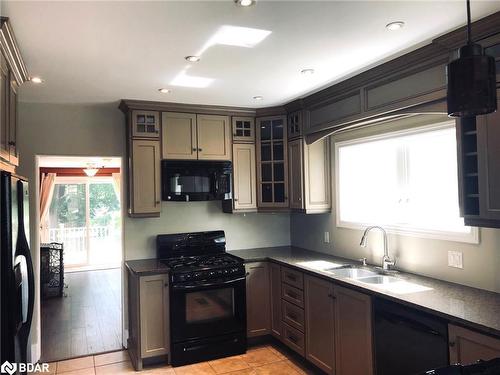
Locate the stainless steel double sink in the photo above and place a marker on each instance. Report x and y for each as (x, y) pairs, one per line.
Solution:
(362, 274)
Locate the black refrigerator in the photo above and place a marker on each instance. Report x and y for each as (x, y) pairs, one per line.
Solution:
(16, 269)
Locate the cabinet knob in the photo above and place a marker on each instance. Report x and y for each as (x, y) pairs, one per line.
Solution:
(236, 199)
(200, 149)
(12, 143)
(194, 149)
(451, 344)
(331, 296)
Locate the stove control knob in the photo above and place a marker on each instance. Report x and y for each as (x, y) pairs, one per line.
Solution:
(197, 275)
(211, 273)
(226, 272)
(187, 276)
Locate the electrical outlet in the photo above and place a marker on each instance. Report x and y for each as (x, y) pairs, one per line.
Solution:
(455, 259)
(327, 237)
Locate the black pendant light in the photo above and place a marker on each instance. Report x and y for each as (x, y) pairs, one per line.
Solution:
(471, 80)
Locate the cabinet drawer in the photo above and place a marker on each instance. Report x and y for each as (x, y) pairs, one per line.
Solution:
(292, 294)
(294, 339)
(293, 315)
(292, 277)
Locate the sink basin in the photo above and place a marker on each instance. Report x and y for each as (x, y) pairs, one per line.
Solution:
(319, 265)
(353, 273)
(379, 279)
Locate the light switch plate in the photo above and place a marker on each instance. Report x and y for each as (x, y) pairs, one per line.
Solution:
(327, 237)
(455, 259)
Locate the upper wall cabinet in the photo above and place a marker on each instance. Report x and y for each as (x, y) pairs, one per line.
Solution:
(244, 181)
(145, 124)
(272, 167)
(4, 109)
(479, 175)
(295, 124)
(179, 136)
(243, 129)
(188, 136)
(309, 175)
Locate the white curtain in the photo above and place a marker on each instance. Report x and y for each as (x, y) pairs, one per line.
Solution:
(46, 192)
(117, 183)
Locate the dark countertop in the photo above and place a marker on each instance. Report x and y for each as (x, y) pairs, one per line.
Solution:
(144, 267)
(475, 308)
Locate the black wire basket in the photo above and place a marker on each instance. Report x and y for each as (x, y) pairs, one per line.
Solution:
(51, 270)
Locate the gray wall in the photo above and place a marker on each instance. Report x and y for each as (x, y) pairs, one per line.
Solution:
(99, 130)
(423, 256)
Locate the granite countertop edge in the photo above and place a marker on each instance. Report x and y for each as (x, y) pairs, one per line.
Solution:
(439, 301)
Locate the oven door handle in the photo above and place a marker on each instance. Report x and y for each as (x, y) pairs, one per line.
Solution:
(207, 285)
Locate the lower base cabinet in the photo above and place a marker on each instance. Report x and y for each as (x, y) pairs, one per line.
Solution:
(258, 299)
(320, 323)
(467, 347)
(149, 322)
(275, 297)
(353, 332)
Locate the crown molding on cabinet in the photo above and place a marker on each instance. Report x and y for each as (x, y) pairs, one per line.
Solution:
(10, 49)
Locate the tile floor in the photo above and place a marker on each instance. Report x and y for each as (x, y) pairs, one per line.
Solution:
(259, 360)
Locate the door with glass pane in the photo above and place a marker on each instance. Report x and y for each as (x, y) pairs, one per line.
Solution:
(85, 216)
(272, 162)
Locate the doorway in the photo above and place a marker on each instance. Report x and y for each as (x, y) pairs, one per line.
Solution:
(81, 213)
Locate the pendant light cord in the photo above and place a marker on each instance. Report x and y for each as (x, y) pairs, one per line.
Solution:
(469, 33)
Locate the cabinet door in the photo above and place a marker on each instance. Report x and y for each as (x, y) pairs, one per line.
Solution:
(295, 124)
(467, 347)
(320, 327)
(295, 176)
(146, 124)
(272, 159)
(353, 333)
(488, 154)
(243, 129)
(214, 137)
(245, 183)
(4, 109)
(258, 298)
(317, 177)
(275, 276)
(179, 139)
(13, 153)
(154, 312)
(145, 182)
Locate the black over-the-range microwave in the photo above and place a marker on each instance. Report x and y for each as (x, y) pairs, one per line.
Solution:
(196, 180)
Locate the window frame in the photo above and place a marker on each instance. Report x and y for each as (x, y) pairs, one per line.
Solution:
(472, 237)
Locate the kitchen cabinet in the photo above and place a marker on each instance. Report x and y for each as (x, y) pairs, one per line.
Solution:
(4, 109)
(309, 174)
(258, 299)
(243, 129)
(275, 298)
(188, 136)
(179, 136)
(467, 347)
(214, 137)
(144, 178)
(145, 124)
(295, 124)
(149, 322)
(272, 162)
(353, 332)
(479, 176)
(319, 323)
(244, 178)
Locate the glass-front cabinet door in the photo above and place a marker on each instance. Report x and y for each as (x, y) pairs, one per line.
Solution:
(145, 124)
(272, 162)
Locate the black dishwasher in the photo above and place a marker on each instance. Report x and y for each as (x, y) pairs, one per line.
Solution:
(407, 341)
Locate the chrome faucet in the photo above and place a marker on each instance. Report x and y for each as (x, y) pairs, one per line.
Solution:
(387, 262)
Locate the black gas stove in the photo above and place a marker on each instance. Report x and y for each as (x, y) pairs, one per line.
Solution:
(207, 296)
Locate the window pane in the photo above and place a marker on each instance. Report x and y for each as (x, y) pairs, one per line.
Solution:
(407, 180)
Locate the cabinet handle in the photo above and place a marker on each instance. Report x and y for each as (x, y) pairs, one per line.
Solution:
(12, 143)
(451, 344)
(157, 203)
(166, 284)
(331, 296)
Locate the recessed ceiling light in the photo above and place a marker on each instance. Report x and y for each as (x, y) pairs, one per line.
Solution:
(164, 91)
(258, 97)
(192, 58)
(36, 80)
(244, 3)
(307, 72)
(395, 25)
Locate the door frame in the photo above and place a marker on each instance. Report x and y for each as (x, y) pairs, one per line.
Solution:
(35, 340)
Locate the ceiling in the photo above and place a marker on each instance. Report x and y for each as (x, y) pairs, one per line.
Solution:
(78, 162)
(100, 52)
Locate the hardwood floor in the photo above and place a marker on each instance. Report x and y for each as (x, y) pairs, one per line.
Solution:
(261, 360)
(86, 321)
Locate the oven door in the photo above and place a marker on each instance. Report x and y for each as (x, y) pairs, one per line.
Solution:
(200, 310)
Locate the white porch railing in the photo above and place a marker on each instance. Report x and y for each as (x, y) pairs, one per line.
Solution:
(76, 248)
